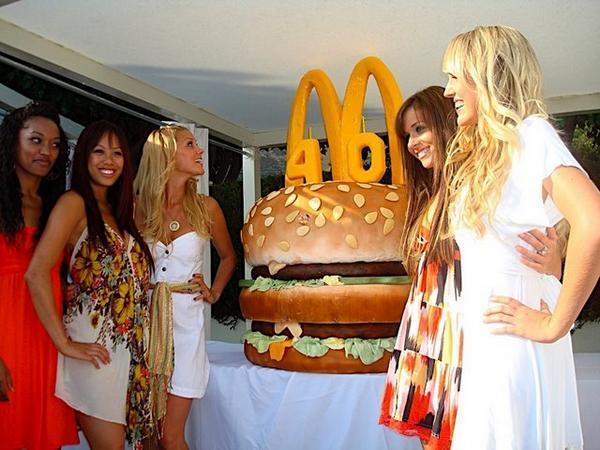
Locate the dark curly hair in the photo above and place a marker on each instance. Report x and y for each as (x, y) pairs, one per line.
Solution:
(51, 186)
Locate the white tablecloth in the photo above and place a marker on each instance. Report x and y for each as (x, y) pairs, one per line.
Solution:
(587, 367)
(247, 407)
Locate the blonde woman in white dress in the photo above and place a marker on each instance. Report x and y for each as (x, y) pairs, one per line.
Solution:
(508, 171)
(179, 225)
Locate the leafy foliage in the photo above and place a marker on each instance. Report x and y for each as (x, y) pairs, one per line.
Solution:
(585, 145)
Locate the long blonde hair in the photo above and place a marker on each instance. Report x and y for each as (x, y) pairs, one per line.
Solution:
(502, 67)
(156, 165)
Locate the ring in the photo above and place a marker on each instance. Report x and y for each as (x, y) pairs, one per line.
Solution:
(542, 251)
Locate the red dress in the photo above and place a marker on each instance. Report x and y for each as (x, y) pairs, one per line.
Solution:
(33, 418)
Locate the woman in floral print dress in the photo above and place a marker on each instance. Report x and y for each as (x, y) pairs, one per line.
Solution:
(102, 373)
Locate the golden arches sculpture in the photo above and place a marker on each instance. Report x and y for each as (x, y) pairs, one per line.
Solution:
(343, 127)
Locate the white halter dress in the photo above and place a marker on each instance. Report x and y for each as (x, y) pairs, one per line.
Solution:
(177, 262)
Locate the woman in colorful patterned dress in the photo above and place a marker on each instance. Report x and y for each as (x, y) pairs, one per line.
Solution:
(508, 171)
(102, 372)
(33, 155)
(179, 224)
(421, 392)
(424, 374)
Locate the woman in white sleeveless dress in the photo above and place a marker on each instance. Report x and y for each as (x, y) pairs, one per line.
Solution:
(507, 172)
(102, 372)
(179, 224)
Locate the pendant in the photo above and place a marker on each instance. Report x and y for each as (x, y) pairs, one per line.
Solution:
(174, 226)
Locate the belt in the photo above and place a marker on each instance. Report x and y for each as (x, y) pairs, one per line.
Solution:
(178, 287)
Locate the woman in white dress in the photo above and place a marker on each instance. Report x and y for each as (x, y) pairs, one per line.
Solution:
(102, 372)
(179, 225)
(508, 171)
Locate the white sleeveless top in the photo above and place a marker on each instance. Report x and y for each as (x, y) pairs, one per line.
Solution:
(177, 262)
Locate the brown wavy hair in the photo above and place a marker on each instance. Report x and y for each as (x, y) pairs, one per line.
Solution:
(423, 185)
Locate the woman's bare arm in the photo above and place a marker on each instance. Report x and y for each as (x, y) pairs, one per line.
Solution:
(578, 199)
(222, 242)
(65, 220)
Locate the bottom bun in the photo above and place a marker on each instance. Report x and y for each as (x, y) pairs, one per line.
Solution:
(334, 361)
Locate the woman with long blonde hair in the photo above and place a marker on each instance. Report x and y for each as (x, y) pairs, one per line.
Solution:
(507, 171)
(179, 224)
(426, 123)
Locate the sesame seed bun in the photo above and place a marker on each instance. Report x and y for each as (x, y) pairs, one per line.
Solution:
(330, 222)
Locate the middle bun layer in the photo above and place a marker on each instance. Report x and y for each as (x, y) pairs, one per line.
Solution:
(382, 303)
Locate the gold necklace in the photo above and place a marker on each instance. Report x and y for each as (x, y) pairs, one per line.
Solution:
(174, 224)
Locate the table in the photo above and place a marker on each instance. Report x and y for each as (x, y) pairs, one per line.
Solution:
(587, 367)
(252, 407)
(247, 407)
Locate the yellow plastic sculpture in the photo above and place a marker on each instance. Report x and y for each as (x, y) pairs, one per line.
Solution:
(343, 128)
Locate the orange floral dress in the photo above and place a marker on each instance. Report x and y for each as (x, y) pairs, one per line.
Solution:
(111, 308)
(423, 380)
(33, 418)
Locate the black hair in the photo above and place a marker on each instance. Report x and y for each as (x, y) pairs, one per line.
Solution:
(120, 195)
(51, 186)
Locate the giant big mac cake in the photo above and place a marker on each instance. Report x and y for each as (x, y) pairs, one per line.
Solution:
(328, 287)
